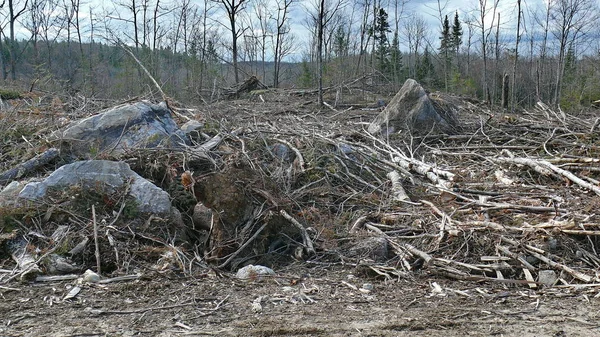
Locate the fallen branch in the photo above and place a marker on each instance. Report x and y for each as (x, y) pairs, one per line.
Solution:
(553, 264)
(546, 168)
(308, 245)
(32, 164)
(242, 247)
(398, 193)
(97, 251)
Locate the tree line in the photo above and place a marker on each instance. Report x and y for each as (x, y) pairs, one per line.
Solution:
(513, 58)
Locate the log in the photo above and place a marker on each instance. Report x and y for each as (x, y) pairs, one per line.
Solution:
(29, 166)
(398, 193)
(28, 267)
(544, 167)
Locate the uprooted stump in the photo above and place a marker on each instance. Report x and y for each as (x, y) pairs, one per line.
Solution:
(248, 222)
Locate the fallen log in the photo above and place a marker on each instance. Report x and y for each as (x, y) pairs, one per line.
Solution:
(29, 166)
(544, 167)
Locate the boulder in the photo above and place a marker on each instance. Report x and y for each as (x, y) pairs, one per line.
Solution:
(107, 174)
(127, 126)
(413, 110)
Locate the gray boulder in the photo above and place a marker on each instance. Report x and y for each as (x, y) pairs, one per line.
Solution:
(107, 174)
(413, 110)
(127, 126)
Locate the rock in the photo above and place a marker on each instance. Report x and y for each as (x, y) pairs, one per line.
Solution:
(90, 277)
(375, 248)
(127, 126)
(202, 216)
(413, 110)
(252, 272)
(192, 129)
(59, 265)
(283, 152)
(547, 277)
(10, 193)
(109, 174)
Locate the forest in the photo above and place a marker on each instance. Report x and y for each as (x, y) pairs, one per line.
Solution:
(547, 52)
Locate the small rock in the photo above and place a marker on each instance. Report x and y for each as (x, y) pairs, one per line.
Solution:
(534, 261)
(367, 286)
(283, 152)
(90, 276)
(547, 277)
(252, 272)
(192, 129)
(552, 244)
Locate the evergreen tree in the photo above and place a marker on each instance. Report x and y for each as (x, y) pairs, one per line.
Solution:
(446, 43)
(379, 32)
(396, 58)
(340, 42)
(457, 33)
(425, 69)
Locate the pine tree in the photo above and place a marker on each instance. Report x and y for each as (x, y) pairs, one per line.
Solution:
(425, 69)
(446, 39)
(379, 32)
(396, 58)
(457, 33)
(446, 49)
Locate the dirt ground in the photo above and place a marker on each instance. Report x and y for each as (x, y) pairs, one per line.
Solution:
(299, 301)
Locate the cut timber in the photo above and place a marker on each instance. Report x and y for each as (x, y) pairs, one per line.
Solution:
(543, 167)
(28, 267)
(398, 193)
(32, 164)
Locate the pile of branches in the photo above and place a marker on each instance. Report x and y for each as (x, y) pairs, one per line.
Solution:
(514, 195)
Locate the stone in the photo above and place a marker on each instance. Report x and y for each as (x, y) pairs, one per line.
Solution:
(202, 217)
(109, 174)
(547, 277)
(252, 272)
(413, 110)
(193, 129)
(122, 128)
(282, 152)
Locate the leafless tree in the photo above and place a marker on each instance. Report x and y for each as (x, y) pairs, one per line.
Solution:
(282, 36)
(513, 94)
(414, 29)
(16, 8)
(233, 9)
(570, 20)
(486, 10)
(322, 13)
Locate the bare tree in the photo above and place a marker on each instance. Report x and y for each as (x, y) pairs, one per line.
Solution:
(513, 94)
(324, 12)
(470, 22)
(571, 20)
(364, 32)
(282, 36)
(414, 34)
(484, 8)
(13, 14)
(234, 8)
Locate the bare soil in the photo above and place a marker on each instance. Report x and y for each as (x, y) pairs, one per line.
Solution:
(321, 302)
